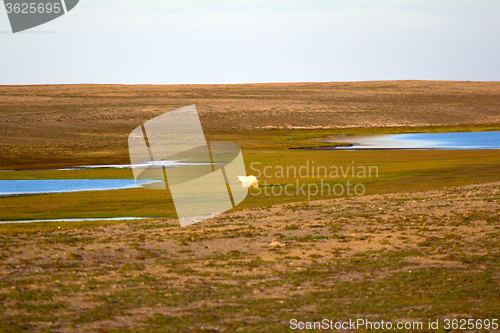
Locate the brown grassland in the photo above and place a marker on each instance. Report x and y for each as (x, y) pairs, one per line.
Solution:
(422, 243)
(54, 125)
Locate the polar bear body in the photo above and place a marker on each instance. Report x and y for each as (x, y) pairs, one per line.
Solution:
(248, 181)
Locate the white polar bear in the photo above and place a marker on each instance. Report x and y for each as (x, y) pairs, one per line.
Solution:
(248, 181)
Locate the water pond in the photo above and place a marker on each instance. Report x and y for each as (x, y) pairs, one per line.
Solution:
(458, 140)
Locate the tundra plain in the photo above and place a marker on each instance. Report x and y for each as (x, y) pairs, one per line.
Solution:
(421, 243)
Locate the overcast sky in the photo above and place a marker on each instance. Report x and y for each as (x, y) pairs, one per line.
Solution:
(185, 41)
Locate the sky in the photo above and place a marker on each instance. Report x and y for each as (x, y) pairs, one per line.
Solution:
(240, 41)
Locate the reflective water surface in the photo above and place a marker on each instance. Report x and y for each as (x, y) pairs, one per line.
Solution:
(81, 220)
(39, 186)
(460, 140)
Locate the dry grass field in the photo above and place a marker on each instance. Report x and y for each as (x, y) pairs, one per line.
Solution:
(63, 125)
(398, 257)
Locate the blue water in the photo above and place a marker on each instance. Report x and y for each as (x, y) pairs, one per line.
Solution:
(461, 140)
(11, 187)
(81, 220)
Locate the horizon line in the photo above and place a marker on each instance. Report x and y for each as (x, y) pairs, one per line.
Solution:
(241, 83)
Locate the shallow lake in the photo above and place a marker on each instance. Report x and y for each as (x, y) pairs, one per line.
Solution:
(460, 140)
(81, 220)
(13, 187)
